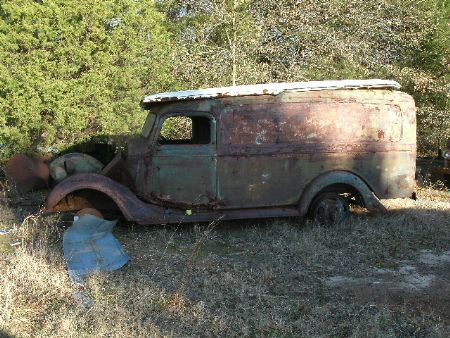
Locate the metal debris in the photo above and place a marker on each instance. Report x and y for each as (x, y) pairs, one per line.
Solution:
(73, 163)
(27, 173)
(90, 247)
(4, 232)
(89, 211)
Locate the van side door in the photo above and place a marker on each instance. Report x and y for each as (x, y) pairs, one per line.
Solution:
(184, 160)
(255, 170)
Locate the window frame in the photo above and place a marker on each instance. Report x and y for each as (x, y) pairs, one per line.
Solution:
(147, 129)
(212, 126)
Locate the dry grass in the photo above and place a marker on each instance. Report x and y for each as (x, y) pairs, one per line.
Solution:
(253, 278)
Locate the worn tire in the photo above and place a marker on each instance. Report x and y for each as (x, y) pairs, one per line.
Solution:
(329, 208)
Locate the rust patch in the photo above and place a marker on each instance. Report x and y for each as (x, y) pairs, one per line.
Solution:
(311, 123)
(263, 154)
(90, 211)
(28, 173)
(402, 182)
(117, 170)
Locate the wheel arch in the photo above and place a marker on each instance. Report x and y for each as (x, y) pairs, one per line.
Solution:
(339, 178)
(130, 206)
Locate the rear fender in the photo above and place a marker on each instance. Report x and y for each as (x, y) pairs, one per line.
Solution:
(371, 202)
(132, 208)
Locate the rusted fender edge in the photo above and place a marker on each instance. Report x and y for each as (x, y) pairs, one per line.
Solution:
(371, 202)
(132, 208)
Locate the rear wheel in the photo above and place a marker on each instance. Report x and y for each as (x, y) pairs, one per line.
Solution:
(329, 208)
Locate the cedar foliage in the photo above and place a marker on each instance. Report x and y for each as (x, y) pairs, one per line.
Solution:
(74, 69)
(71, 69)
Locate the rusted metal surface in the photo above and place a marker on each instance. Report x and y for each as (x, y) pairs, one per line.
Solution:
(117, 170)
(133, 209)
(342, 178)
(90, 211)
(267, 89)
(124, 198)
(27, 173)
(268, 155)
(73, 163)
(284, 143)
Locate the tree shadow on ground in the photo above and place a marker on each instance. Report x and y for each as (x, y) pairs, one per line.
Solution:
(5, 334)
(245, 271)
(271, 277)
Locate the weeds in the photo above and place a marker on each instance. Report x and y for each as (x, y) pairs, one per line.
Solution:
(247, 278)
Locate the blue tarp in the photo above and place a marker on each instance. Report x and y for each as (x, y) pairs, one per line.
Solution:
(89, 247)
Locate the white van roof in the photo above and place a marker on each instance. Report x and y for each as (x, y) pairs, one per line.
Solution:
(268, 89)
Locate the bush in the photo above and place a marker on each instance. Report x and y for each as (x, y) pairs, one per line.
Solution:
(72, 69)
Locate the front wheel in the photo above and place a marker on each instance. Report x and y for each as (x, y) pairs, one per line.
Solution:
(329, 208)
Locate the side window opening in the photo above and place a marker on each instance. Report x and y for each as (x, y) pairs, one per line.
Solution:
(185, 130)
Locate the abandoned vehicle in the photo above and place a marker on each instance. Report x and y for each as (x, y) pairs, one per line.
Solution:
(444, 171)
(287, 149)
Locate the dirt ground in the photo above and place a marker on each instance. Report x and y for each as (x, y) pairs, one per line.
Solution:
(374, 275)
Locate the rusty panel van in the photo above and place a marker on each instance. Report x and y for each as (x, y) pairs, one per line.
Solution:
(290, 149)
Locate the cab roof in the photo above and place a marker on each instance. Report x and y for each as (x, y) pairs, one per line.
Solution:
(267, 89)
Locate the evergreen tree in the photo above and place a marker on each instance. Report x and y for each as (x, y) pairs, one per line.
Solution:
(75, 68)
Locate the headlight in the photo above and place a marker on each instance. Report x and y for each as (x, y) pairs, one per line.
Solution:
(446, 154)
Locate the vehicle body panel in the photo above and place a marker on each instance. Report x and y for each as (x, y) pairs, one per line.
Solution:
(267, 152)
(185, 174)
(271, 147)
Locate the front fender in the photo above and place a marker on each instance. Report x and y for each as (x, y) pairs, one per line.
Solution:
(371, 202)
(132, 208)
